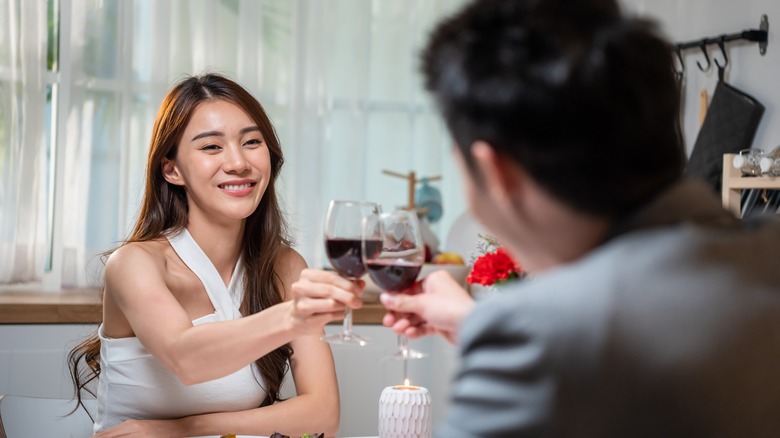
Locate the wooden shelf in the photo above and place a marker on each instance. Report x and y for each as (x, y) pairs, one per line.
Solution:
(733, 184)
(82, 306)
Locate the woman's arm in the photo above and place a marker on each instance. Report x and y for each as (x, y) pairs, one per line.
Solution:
(136, 291)
(315, 409)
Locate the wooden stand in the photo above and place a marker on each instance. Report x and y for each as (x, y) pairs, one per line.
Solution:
(734, 183)
(411, 177)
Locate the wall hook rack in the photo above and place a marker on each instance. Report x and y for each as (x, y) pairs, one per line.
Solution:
(760, 36)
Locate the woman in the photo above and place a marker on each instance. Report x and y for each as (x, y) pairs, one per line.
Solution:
(200, 313)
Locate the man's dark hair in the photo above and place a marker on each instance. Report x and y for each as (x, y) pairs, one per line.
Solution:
(581, 97)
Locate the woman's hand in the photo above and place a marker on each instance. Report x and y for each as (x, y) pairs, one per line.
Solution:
(320, 297)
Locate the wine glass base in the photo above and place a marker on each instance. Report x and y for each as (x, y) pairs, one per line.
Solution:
(407, 354)
(347, 338)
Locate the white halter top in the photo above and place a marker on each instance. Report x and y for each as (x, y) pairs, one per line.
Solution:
(135, 385)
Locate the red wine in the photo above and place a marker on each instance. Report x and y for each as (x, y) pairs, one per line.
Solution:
(346, 255)
(393, 275)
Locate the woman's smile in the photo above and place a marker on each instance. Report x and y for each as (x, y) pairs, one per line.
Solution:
(238, 188)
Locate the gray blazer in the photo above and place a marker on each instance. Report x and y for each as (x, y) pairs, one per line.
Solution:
(671, 328)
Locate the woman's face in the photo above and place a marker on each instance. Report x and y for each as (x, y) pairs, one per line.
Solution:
(222, 162)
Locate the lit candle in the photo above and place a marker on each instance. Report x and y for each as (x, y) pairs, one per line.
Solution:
(405, 411)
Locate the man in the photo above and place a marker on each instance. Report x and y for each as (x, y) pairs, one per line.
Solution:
(651, 312)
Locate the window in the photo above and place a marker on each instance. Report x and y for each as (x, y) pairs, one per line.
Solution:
(78, 98)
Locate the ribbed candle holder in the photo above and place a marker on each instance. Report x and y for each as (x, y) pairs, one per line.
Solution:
(405, 412)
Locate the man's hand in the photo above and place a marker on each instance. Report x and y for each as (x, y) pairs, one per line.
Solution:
(437, 305)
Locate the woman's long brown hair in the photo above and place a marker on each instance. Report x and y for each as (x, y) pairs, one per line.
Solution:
(164, 211)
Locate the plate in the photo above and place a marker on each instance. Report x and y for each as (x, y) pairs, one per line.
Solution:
(458, 272)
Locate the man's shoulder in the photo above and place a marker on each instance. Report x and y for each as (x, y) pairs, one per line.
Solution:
(545, 309)
(640, 273)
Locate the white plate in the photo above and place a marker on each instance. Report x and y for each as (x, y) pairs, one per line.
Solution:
(458, 272)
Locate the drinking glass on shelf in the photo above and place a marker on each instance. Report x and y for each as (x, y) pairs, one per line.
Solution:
(394, 253)
(343, 246)
(748, 161)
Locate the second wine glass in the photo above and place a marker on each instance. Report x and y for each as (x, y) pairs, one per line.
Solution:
(394, 264)
(343, 246)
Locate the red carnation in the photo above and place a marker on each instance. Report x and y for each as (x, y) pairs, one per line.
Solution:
(493, 267)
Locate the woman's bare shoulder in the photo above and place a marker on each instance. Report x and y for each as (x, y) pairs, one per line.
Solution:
(289, 265)
(290, 259)
(288, 254)
(146, 249)
(138, 257)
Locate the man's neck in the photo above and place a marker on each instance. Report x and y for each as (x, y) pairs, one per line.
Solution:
(550, 233)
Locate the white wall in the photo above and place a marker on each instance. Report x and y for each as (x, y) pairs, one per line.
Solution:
(757, 75)
(32, 358)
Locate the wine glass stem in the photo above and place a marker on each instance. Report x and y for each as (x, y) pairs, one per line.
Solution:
(403, 347)
(406, 370)
(347, 327)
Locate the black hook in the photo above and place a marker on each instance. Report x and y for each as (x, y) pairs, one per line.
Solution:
(706, 56)
(721, 44)
(722, 68)
(681, 72)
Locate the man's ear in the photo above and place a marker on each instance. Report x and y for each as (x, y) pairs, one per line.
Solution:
(500, 176)
(171, 173)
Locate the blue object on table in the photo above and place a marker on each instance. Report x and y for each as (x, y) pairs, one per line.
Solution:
(429, 197)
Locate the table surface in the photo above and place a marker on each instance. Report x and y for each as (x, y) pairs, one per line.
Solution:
(83, 306)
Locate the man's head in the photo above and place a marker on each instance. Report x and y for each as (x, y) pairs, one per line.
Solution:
(580, 97)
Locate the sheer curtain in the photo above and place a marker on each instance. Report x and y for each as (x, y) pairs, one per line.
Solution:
(338, 79)
(23, 146)
(361, 109)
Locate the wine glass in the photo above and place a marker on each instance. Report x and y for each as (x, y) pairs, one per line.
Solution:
(394, 252)
(343, 246)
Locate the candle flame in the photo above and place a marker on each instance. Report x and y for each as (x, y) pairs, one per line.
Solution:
(406, 382)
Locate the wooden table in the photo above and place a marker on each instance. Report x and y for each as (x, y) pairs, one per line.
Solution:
(83, 306)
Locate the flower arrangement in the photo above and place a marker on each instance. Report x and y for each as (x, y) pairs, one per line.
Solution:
(494, 265)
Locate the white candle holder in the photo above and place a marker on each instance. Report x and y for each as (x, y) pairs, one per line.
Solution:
(405, 412)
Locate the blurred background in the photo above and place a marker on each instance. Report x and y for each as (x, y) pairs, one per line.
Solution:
(81, 80)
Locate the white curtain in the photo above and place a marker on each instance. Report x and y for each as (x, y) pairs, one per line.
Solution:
(338, 78)
(23, 147)
(359, 108)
